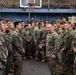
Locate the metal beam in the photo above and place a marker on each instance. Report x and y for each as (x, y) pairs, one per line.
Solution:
(39, 10)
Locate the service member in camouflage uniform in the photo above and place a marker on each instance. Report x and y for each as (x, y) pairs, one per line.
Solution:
(22, 24)
(68, 51)
(9, 33)
(74, 50)
(8, 44)
(52, 47)
(60, 31)
(32, 40)
(27, 41)
(3, 57)
(36, 38)
(3, 48)
(74, 26)
(42, 42)
(62, 39)
(18, 49)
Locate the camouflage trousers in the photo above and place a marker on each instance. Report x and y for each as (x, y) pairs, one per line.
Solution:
(3, 70)
(10, 64)
(17, 65)
(67, 62)
(55, 67)
(41, 53)
(27, 47)
(74, 70)
(60, 57)
(33, 48)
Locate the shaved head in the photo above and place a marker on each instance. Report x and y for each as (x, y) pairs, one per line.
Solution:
(49, 27)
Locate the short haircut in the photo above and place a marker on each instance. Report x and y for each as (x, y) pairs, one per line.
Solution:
(39, 24)
(50, 24)
(33, 22)
(62, 22)
(8, 20)
(3, 22)
(16, 23)
(74, 24)
(25, 25)
(68, 23)
(22, 21)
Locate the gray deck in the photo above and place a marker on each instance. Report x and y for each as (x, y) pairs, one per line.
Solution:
(32, 67)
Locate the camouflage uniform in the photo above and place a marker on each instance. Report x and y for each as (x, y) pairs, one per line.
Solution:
(74, 42)
(74, 46)
(52, 47)
(4, 36)
(21, 31)
(27, 42)
(56, 30)
(69, 56)
(32, 41)
(36, 37)
(42, 40)
(10, 63)
(3, 57)
(35, 34)
(60, 52)
(17, 53)
(63, 45)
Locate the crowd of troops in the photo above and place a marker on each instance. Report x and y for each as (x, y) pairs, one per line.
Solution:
(54, 43)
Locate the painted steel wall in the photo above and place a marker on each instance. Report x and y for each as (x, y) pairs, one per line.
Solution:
(38, 16)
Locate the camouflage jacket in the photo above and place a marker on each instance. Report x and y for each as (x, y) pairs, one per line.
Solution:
(3, 50)
(52, 44)
(10, 41)
(69, 39)
(17, 44)
(4, 42)
(36, 35)
(32, 32)
(42, 37)
(62, 39)
(74, 43)
(26, 35)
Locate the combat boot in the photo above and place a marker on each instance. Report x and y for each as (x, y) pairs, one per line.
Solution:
(37, 59)
(43, 60)
(10, 74)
